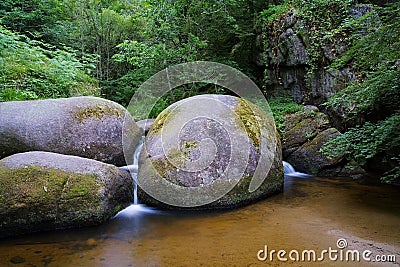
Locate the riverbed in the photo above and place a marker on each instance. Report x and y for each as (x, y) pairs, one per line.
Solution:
(312, 214)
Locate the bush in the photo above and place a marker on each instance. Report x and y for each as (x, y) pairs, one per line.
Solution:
(376, 93)
(33, 70)
(363, 143)
(279, 107)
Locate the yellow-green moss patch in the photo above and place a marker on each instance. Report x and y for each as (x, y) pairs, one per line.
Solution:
(176, 156)
(97, 112)
(79, 186)
(188, 146)
(35, 184)
(251, 123)
(158, 124)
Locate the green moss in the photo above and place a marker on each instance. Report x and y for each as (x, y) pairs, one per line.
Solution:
(97, 112)
(176, 156)
(189, 144)
(166, 170)
(161, 169)
(81, 186)
(30, 183)
(117, 208)
(158, 124)
(246, 112)
(34, 184)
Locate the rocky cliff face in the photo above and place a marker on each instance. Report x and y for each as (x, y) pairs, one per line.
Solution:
(296, 56)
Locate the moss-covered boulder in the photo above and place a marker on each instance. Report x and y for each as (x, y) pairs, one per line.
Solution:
(305, 133)
(308, 159)
(210, 151)
(44, 191)
(302, 127)
(88, 127)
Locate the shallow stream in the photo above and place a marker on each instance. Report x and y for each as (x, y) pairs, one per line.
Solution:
(311, 214)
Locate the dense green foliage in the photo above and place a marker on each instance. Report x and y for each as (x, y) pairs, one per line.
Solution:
(280, 107)
(32, 69)
(184, 31)
(376, 93)
(365, 142)
(372, 101)
(36, 19)
(61, 48)
(133, 40)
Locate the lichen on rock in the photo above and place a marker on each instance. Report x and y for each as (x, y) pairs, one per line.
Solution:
(209, 142)
(97, 112)
(305, 133)
(88, 127)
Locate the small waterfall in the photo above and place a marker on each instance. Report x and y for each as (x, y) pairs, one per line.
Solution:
(288, 170)
(136, 209)
(133, 169)
(135, 172)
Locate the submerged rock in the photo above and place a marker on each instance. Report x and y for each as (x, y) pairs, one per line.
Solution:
(88, 127)
(44, 191)
(205, 143)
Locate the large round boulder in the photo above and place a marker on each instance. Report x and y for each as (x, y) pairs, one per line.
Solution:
(44, 191)
(88, 127)
(210, 151)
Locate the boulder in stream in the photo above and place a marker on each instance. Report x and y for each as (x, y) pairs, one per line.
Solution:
(210, 151)
(305, 133)
(89, 127)
(45, 191)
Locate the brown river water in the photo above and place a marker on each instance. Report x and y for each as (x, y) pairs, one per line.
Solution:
(311, 214)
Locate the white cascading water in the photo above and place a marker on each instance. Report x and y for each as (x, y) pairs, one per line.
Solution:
(288, 170)
(133, 169)
(135, 208)
(135, 172)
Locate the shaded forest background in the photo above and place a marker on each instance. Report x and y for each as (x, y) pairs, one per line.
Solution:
(108, 48)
